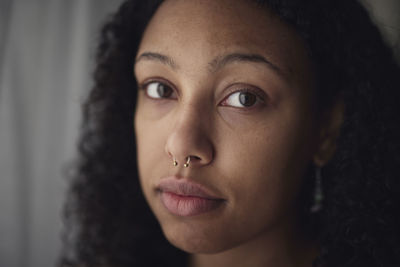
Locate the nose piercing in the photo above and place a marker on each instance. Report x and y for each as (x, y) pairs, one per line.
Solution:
(175, 162)
(187, 162)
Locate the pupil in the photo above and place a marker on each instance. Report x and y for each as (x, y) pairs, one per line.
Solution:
(163, 91)
(247, 99)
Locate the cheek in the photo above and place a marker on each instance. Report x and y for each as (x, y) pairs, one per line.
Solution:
(264, 168)
(149, 145)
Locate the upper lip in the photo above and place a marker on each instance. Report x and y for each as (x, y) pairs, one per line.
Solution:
(185, 187)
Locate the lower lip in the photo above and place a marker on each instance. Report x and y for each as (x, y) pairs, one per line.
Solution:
(188, 205)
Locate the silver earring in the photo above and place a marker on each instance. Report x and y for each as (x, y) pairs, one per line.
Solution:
(187, 162)
(318, 194)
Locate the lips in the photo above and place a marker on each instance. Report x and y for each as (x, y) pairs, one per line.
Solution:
(182, 197)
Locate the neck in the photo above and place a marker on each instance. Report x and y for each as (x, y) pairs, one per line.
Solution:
(270, 249)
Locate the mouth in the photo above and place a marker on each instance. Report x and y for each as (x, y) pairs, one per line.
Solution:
(182, 197)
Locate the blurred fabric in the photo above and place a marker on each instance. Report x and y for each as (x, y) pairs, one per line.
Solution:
(386, 14)
(46, 61)
(46, 52)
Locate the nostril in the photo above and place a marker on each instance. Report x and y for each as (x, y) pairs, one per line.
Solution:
(190, 159)
(194, 158)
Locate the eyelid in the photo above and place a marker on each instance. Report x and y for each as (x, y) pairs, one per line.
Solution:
(234, 88)
(143, 85)
(243, 88)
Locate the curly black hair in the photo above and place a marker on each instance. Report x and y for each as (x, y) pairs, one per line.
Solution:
(108, 222)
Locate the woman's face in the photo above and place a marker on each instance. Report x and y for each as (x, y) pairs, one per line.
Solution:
(230, 86)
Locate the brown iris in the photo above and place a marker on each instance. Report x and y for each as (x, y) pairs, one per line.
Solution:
(163, 90)
(247, 99)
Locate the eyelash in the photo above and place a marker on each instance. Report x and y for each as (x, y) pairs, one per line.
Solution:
(260, 96)
(143, 86)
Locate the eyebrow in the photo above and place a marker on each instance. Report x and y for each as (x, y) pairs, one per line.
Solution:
(215, 64)
(157, 57)
(222, 61)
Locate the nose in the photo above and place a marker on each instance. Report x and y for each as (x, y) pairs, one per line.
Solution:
(190, 137)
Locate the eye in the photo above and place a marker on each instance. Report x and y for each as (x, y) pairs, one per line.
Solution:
(158, 90)
(241, 99)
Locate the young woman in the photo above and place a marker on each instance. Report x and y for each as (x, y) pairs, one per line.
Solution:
(239, 133)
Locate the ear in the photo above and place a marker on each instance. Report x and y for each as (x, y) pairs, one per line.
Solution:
(329, 132)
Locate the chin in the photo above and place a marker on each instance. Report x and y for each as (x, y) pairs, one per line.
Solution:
(196, 239)
(197, 246)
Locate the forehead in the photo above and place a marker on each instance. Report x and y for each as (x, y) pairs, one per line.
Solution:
(222, 19)
(206, 29)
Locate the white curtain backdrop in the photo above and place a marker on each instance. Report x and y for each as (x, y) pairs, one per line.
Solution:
(45, 65)
(46, 59)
